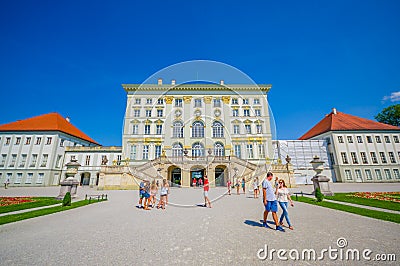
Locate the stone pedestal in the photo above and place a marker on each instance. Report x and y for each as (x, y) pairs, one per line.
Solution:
(320, 181)
(70, 184)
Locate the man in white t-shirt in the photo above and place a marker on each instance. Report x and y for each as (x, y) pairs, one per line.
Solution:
(270, 203)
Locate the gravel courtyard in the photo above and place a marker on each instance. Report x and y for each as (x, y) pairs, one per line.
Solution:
(117, 233)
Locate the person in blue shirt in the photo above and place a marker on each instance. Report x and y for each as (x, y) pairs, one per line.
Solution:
(270, 203)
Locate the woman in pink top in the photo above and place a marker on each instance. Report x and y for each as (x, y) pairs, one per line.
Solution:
(206, 188)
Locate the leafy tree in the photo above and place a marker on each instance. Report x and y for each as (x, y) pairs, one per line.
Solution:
(390, 115)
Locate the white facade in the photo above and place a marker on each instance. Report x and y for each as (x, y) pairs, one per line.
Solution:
(196, 120)
(91, 160)
(33, 158)
(364, 156)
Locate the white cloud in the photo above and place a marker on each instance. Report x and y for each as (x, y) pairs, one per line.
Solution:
(394, 97)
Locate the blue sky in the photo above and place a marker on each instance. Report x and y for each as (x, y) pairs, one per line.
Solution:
(71, 57)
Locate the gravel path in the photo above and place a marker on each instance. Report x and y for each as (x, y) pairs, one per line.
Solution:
(117, 233)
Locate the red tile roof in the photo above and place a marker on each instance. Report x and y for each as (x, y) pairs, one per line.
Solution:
(338, 121)
(46, 122)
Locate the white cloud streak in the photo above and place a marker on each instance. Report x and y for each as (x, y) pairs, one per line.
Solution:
(394, 97)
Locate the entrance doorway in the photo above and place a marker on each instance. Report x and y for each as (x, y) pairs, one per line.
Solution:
(219, 176)
(176, 176)
(85, 179)
(196, 177)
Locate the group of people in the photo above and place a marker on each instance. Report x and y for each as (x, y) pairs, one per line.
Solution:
(272, 196)
(197, 183)
(148, 193)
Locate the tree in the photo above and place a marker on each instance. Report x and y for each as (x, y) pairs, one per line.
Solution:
(67, 199)
(318, 195)
(390, 115)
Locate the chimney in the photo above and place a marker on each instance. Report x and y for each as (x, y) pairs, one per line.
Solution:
(68, 119)
(221, 82)
(334, 111)
(160, 81)
(173, 82)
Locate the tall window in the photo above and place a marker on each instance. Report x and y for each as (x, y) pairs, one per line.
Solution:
(8, 140)
(378, 174)
(149, 101)
(217, 102)
(158, 129)
(133, 151)
(383, 157)
(235, 101)
(358, 174)
(136, 113)
(18, 178)
(236, 129)
(58, 161)
(219, 149)
(177, 130)
(104, 160)
(40, 178)
(378, 139)
(396, 173)
(177, 150)
(247, 128)
(235, 112)
(198, 129)
(138, 101)
(368, 174)
(245, 101)
(13, 159)
(135, 129)
(256, 101)
(364, 158)
(158, 151)
(29, 178)
(145, 152)
(17, 141)
(347, 173)
(160, 113)
(391, 157)
(354, 157)
(147, 129)
(373, 157)
(160, 101)
(369, 139)
(148, 113)
(119, 158)
(387, 139)
(349, 139)
(359, 139)
(87, 161)
(387, 174)
(44, 160)
(38, 140)
(249, 149)
(178, 102)
(218, 130)
(197, 149)
(246, 112)
(48, 141)
(238, 151)
(197, 102)
(396, 139)
(344, 158)
(340, 139)
(261, 150)
(259, 129)
(257, 112)
(62, 142)
(28, 141)
(23, 160)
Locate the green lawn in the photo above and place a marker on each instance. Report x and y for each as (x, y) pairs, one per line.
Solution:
(31, 214)
(347, 197)
(392, 217)
(38, 202)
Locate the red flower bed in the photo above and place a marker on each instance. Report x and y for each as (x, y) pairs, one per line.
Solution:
(384, 196)
(6, 201)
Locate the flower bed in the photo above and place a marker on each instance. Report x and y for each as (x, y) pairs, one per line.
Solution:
(383, 196)
(7, 201)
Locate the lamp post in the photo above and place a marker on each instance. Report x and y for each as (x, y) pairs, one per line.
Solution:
(288, 160)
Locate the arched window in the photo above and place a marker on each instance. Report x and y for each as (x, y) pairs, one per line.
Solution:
(198, 129)
(177, 149)
(218, 130)
(197, 149)
(219, 149)
(177, 130)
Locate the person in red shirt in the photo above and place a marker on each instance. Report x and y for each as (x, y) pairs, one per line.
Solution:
(206, 188)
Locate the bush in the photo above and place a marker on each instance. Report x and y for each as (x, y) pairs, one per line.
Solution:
(318, 195)
(67, 199)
